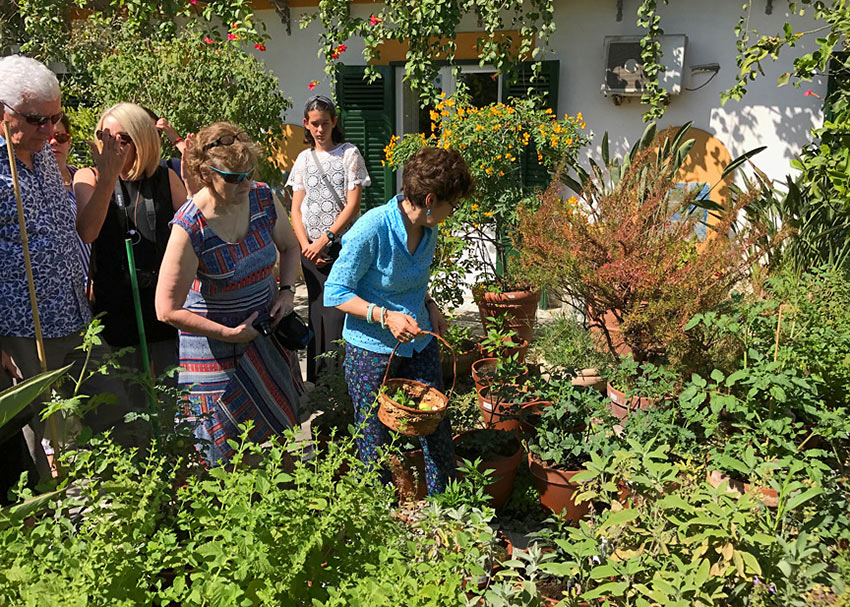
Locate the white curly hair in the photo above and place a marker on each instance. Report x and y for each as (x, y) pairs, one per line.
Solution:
(23, 80)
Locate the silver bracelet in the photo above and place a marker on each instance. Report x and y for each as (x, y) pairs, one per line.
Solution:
(383, 314)
(369, 313)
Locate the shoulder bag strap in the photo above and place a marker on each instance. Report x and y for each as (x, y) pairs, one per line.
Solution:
(326, 180)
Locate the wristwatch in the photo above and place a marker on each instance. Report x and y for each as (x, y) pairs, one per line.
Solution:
(287, 288)
(331, 236)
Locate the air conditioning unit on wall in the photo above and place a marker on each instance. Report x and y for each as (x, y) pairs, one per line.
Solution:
(624, 75)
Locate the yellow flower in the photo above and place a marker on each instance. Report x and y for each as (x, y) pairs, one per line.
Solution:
(548, 110)
(444, 113)
(488, 170)
(501, 174)
(578, 116)
(434, 116)
(478, 127)
(474, 207)
(488, 213)
(450, 102)
(442, 94)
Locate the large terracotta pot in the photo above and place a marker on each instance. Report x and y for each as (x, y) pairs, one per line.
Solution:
(465, 357)
(590, 378)
(504, 472)
(621, 405)
(528, 417)
(409, 475)
(557, 491)
(612, 325)
(521, 307)
(483, 372)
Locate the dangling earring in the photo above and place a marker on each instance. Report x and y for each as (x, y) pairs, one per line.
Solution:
(429, 212)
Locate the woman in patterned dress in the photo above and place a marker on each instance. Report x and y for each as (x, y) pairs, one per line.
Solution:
(217, 284)
(380, 282)
(327, 183)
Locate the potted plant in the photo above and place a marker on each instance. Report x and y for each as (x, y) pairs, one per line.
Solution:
(463, 342)
(565, 343)
(501, 143)
(560, 448)
(635, 251)
(636, 386)
(500, 340)
(495, 450)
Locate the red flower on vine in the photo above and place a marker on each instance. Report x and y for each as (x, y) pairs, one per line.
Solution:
(232, 37)
(335, 55)
(341, 49)
(193, 1)
(373, 20)
(313, 84)
(810, 93)
(209, 40)
(260, 47)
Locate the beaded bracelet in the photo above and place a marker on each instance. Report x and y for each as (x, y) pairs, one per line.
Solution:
(369, 313)
(383, 321)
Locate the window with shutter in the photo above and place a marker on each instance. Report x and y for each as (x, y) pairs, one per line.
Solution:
(367, 115)
(546, 85)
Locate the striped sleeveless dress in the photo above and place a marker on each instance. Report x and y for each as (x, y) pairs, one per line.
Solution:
(230, 383)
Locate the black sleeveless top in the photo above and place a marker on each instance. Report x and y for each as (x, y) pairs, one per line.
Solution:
(142, 214)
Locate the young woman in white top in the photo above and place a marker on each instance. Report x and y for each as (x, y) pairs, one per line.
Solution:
(327, 184)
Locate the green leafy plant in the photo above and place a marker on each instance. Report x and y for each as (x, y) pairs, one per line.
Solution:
(566, 342)
(642, 380)
(627, 247)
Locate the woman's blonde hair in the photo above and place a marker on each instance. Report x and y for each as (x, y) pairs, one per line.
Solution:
(207, 148)
(138, 125)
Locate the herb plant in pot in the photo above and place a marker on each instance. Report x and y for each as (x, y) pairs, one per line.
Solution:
(462, 340)
(495, 450)
(560, 448)
(632, 386)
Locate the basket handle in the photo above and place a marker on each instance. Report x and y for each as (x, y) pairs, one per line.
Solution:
(454, 361)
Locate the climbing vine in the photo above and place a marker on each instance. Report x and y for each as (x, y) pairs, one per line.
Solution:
(429, 27)
(655, 97)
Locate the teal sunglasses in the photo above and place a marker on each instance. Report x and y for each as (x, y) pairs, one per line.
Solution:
(230, 177)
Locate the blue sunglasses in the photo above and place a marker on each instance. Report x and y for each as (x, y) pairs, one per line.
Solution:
(231, 177)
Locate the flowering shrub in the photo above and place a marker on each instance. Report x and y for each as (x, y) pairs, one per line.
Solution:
(631, 251)
(500, 143)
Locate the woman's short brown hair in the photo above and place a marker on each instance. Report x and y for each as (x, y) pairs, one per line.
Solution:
(436, 171)
(207, 148)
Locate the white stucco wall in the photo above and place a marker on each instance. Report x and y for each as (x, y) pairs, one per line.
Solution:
(780, 118)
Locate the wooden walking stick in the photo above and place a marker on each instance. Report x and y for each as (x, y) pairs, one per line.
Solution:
(52, 431)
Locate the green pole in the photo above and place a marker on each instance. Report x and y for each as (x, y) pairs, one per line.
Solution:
(143, 342)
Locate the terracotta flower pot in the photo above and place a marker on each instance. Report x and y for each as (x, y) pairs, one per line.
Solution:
(557, 491)
(520, 306)
(528, 416)
(408, 476)
(590, 378)
(612, 326)
(465, 358)
(504, 472)
(621, 405)
(498, 413)
(483, 372)
(768, 496)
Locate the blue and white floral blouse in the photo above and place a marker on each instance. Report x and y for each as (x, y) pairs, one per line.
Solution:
(376, 265)
(51, 229)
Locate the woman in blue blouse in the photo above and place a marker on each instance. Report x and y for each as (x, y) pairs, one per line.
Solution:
(380, 282)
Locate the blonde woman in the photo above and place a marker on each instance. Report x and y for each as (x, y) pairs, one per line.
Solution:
(127, 194)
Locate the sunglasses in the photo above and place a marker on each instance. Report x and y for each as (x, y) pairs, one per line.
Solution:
(124, 138)
(37, 119)
(224, 140)
(62, 137)
(230, 177)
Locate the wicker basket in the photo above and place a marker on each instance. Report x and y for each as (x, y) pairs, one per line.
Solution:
(408, 421)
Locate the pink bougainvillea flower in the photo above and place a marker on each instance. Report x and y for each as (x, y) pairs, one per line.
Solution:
(232, 37)
(193, 1)
(811, 93)
(313, 84)
(373, 20)
(209, 40)
(341, 49)
(260, 47)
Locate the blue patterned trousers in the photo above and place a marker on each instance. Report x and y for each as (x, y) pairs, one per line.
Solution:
(364, 371)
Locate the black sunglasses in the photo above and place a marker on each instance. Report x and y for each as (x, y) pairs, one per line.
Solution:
(231, 177)
(122, 137)
(224, 140)
(36, 119)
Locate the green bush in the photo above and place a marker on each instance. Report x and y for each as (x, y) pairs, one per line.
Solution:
(191, 82)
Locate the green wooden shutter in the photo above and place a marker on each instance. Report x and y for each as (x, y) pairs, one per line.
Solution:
(367, 115)
(546, 85)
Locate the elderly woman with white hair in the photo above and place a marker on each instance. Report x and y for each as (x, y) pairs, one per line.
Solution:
(30, 101)
(127, 194)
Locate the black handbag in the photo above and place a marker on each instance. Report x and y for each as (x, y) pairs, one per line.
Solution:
(292, 332)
